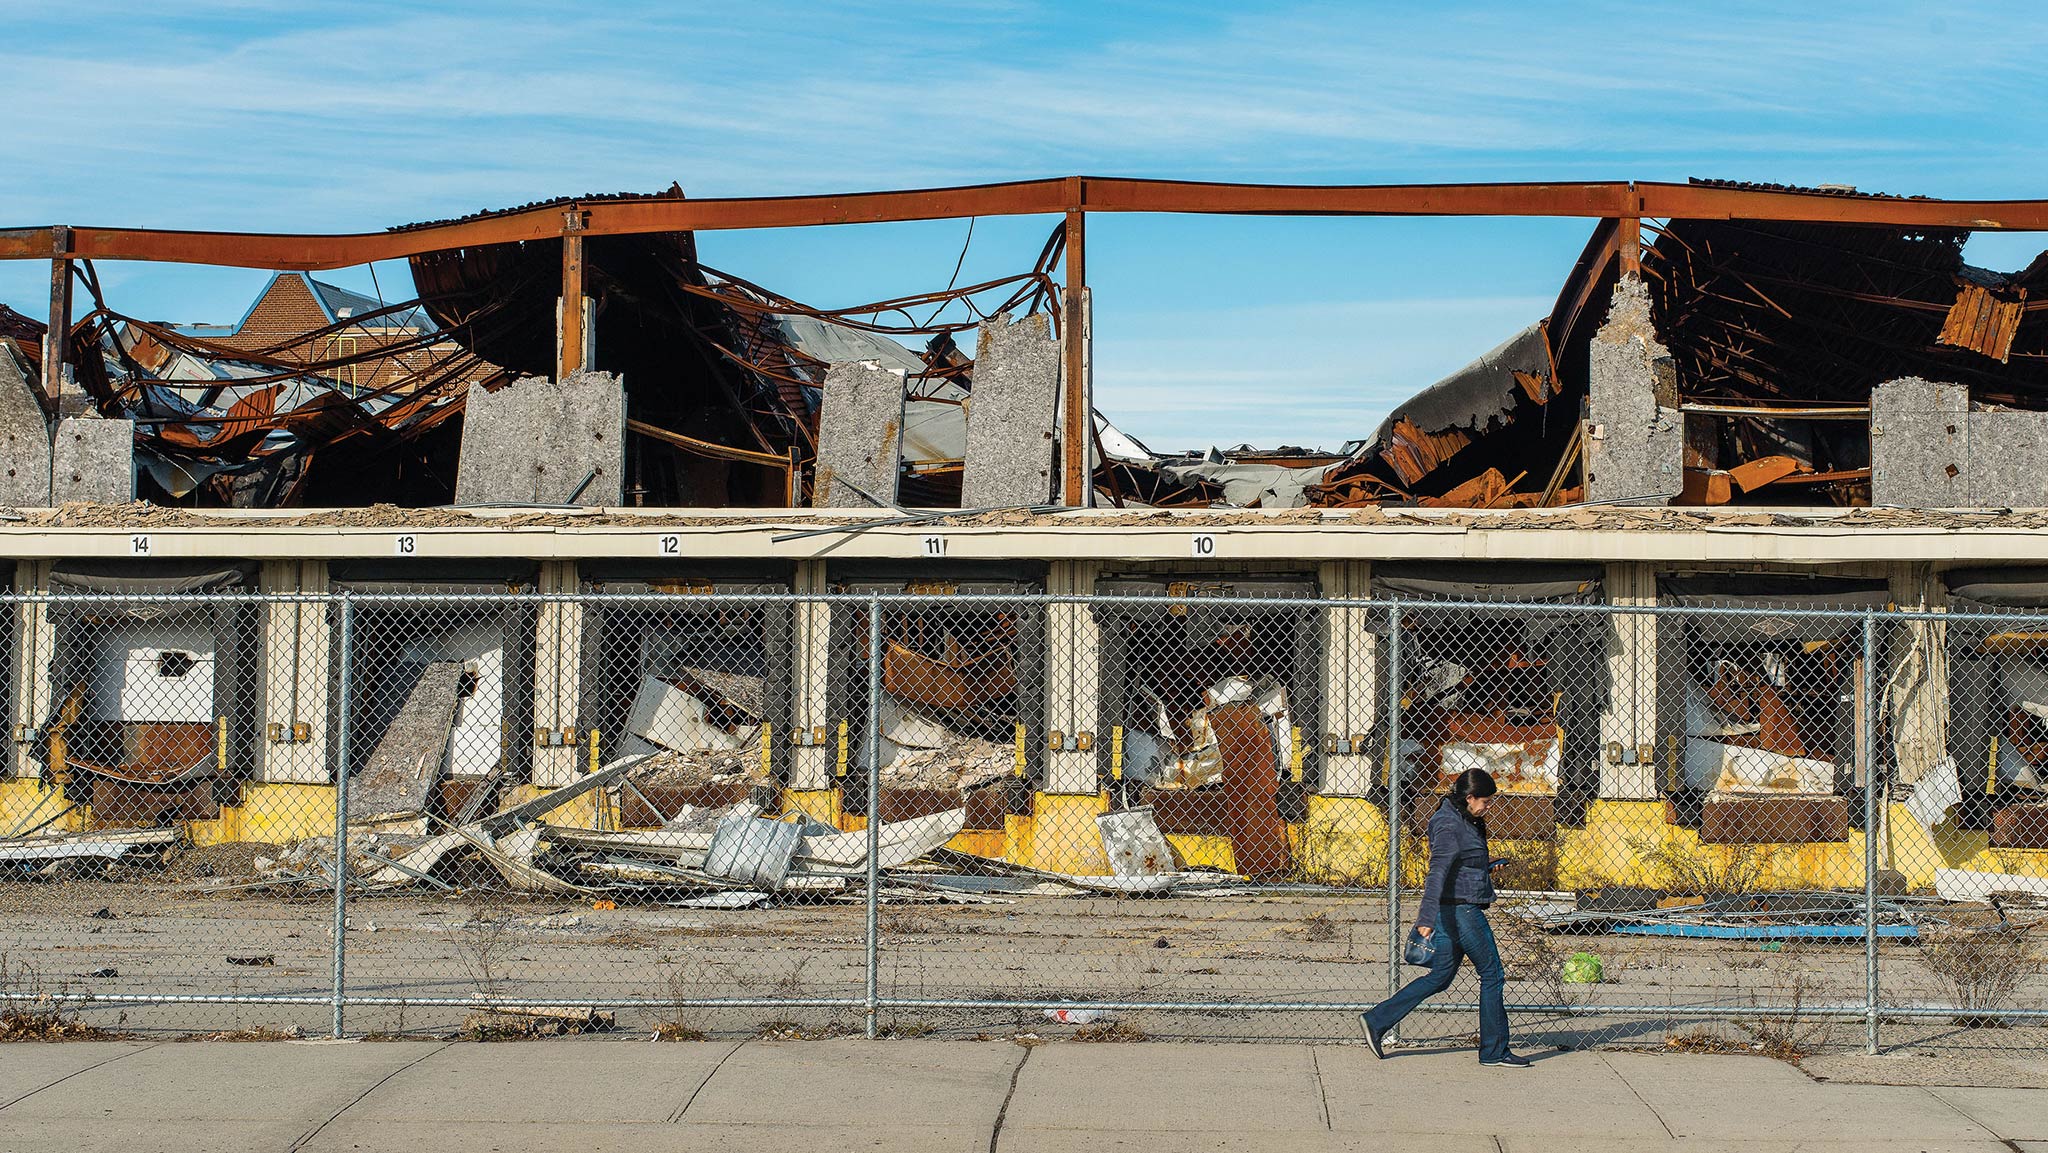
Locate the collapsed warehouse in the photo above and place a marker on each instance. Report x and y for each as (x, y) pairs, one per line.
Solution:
(1736, 389)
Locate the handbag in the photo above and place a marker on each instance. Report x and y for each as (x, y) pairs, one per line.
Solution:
(1420, 950)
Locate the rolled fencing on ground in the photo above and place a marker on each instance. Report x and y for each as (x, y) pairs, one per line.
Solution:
(1778, 815)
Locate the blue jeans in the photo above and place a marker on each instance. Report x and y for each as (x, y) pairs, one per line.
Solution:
(1462, 932)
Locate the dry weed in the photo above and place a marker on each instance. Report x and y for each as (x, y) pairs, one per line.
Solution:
(1109, 1031)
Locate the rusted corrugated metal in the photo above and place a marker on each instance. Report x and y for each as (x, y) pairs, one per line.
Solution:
(1983, 322)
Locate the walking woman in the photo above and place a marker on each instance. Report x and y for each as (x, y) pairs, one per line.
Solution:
(1453, 915)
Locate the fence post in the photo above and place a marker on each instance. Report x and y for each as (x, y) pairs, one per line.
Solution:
(1871, 994)
(1394, 934)
(340, 719)
(874, 753)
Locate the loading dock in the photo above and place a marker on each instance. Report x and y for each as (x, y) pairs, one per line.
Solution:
(1762, 710)
(704, 686)
(396, 646)
(1998, 705)
(153, 705)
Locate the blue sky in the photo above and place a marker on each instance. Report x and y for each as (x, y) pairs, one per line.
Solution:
(312, 117)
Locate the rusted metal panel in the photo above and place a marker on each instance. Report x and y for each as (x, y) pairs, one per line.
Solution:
(2020, 827)
(1754, 474)
(1983, 322)
(960, 683)
(1414, 454)
(1770, 820)
(1251, 787)
(125, 805)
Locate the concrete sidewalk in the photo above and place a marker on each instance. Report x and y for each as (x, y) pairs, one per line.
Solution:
(590, 1096)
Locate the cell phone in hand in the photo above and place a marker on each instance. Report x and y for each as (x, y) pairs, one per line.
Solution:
(1497, 862)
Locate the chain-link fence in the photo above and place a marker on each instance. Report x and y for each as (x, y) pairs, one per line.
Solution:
(1765, 814)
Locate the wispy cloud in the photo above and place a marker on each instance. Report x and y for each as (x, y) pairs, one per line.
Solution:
(262, 115)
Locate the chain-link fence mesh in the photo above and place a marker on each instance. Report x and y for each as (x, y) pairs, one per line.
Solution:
(1729, 813)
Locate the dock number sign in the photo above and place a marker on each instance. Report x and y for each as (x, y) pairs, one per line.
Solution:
(668, 544)
(405, 544)
(933, 545)
(1203, 545)
(138, 544)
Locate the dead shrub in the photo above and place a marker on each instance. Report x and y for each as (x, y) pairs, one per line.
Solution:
(1708, 871)
(1980, 969)
(484, 943)
(1530, 955)
(1791, 1033)
(684, 983)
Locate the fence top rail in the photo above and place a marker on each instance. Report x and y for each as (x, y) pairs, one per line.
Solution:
(1412, 605)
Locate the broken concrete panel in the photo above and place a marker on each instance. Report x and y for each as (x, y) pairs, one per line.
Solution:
(24, 439)
(93, 461)
(1929, 450)
(398, 777)
(1919, 444)
(1635, 442)
(2005, 467)
(1012, 415)
(537, 441)
(860, 435)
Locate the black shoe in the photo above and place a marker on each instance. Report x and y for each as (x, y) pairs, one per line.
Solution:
(1511, 1061)
(1372, 1037)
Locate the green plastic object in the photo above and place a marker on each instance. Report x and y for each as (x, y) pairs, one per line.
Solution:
(1584, 969)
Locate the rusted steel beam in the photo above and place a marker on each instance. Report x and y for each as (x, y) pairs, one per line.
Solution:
(569, 310)
(650, 214)
(1629, 242)
(26, 243)
(1605, 198)
(308, 253)
(57, 338)
(1610, 199)
(1705, 202)
(1074, 435)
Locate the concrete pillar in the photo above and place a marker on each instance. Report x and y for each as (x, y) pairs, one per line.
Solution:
(1631, 752)
(35, 642)
(1635, 435)
(1351, 681)
(814, 733)
(563, 753)
(296, 639)
(1073, 644)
